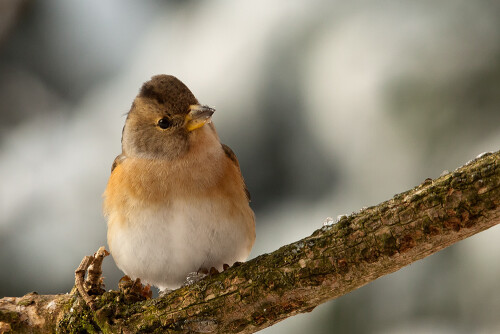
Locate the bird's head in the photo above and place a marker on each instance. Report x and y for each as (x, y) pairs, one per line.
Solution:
(164, 117)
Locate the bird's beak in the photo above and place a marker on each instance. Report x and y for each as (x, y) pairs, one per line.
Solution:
(198, 116)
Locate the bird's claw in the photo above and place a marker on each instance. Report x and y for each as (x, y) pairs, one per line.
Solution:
(134, 289)
(94, 283)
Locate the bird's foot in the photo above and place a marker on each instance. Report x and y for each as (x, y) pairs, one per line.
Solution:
(209, 272)
(237, 264)
(134, 290)
(94, 283)
(226, 266)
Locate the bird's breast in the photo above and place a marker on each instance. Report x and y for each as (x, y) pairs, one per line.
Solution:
(160, 229)
(150, 200)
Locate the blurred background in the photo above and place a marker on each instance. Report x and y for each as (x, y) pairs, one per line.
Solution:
(329, 105)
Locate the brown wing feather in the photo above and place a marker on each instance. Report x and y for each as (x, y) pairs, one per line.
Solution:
(230, 154)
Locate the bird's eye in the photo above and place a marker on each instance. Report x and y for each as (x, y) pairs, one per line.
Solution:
(164, 123)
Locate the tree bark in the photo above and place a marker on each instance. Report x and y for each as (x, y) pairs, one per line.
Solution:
(333, 261)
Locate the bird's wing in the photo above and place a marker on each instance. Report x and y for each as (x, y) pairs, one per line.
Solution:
(118, 160)
(230, 154)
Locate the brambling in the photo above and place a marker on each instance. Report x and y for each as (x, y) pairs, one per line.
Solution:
(175, 202)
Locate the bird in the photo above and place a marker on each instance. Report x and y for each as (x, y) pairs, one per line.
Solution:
(176, 201)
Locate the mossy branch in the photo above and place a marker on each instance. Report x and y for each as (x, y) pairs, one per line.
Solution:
(296, 278)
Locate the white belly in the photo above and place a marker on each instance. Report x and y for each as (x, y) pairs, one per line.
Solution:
(162, 244)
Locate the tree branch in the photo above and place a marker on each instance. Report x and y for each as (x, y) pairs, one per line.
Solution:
(333, 261)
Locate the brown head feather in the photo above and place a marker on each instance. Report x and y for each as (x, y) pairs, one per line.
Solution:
(170, 92)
